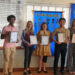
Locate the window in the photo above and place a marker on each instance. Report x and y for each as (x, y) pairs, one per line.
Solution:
(8, 7)
(30, 14)
(66, 13)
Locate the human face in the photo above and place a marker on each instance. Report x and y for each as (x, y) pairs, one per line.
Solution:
(30, 25)
(44, 26)
(62, 23)
(12, 21)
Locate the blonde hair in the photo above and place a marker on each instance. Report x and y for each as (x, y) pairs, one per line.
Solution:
(72, 23)
(27, 28)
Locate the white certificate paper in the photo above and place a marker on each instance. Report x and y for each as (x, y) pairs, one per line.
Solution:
(73, 38)
(14, 37)
(33, 40)
(45, 40)
(61, 37)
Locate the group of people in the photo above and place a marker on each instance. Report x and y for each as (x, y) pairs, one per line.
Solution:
(43, 51)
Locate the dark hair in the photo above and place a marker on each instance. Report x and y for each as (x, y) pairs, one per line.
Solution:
(11, 16)
(62, 19)
(43, 24)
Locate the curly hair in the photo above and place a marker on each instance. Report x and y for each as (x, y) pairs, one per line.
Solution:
(10, 16)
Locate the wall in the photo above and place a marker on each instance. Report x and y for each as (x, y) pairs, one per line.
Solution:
(19, 60)
(19, 56)
(54, 2)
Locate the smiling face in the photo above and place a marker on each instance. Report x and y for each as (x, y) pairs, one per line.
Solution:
(29, 25)
(62, 23)
(44, 27)
(12, 21)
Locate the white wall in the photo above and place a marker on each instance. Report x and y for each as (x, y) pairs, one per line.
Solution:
(19, 60)
(54, 2)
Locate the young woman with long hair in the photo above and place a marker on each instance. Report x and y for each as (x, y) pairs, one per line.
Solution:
(28, 48)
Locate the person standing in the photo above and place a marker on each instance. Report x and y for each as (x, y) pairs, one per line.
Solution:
(28, 48)
(43, 51)
(71, 52)
(60, 47)
(9, 49)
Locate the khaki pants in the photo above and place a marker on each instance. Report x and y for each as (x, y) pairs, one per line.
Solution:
(8, 59)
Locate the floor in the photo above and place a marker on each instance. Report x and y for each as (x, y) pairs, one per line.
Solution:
(50, 72)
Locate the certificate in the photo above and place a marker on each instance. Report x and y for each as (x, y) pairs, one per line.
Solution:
(33, 40)
(61, 37)
(44, 40)
(14, 37)
(73, 38)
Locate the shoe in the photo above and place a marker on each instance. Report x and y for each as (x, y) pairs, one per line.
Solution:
(73, 72)
(62, 72)
(39, 71)
(29, 72)
(45, 71)
(55, 73)
(25, 73)
(70, 72)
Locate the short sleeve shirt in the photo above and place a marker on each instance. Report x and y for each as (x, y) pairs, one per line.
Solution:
(61, 30)
(6, 29)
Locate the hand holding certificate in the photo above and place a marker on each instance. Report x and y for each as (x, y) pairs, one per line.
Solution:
(45, 40)
(14, 37)
(61, 37)
(73, 38)
(33, 40)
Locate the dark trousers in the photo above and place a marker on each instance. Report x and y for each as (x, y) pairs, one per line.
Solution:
(44, 59)
(60, 50)
(27, 56)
